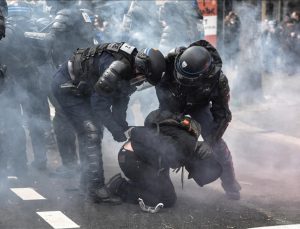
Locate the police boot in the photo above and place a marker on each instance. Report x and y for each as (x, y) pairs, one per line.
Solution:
(114, 184)
(102, 195)
(230, 184)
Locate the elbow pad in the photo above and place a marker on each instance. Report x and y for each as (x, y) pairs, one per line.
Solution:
(111, 77)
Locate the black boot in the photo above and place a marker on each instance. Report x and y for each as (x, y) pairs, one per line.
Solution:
(114, 183)
(103, 195)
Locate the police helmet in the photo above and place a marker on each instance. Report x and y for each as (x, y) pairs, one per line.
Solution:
(192, 65)
(150, 63)
(203, 171)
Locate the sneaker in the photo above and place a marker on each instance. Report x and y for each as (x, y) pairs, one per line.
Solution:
(114, 183)
(39, 165)
(102, 195)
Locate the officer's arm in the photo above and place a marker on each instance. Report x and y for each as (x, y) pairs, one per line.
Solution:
(101, 105)
(220, 109)
(119, 109)
(107, 104)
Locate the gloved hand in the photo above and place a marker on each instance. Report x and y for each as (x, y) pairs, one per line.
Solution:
(203, 150)
(119, 136)
(128, 132)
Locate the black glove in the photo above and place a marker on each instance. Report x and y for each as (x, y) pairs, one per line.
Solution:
(119, 136)
(2, 27)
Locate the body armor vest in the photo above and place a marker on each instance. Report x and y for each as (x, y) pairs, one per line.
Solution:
(83, 59)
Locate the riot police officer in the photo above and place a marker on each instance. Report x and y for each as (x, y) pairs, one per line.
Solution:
(11, 129)
(166, 141)
(27, 80)
(93, 89)
(71, 28)
(195, 84)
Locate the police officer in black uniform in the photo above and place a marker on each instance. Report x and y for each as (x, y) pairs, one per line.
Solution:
(166, 141)
(93, 90)
(71, 28)
(195, 84)
(11, 129)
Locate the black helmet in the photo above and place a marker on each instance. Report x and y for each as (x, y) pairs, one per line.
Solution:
(151, 63)
(203, 171)
(192, 65)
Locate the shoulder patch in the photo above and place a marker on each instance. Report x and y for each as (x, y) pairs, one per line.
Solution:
(127, 48)
(115, 47)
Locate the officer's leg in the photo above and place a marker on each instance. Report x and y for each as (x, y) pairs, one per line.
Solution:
(221, 153)
(89, 139)
(37, 135)
(18, 157)
(144, 182)
(65, 137)
(15, 140)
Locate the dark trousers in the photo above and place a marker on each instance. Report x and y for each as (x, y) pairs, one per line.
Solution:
(12, 140)
(144, 182)
(78, 111)
(220, 149)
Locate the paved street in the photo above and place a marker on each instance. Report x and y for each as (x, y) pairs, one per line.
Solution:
(264, 139)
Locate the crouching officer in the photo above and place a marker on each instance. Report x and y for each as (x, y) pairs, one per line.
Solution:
(166, 141)
(195, 84)
(93, 89)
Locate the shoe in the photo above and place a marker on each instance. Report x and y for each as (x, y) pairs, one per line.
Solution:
(102, 195)
(232, 190)
(114, 183)
(39, 165)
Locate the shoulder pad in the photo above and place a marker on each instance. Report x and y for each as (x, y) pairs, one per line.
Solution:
(121, 67)
(223, 85)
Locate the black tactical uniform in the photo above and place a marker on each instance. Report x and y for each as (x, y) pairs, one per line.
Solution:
(18, 49)
(93, 90)
(11, 129)
(167, 141)
(71, 28)
(204, 94)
